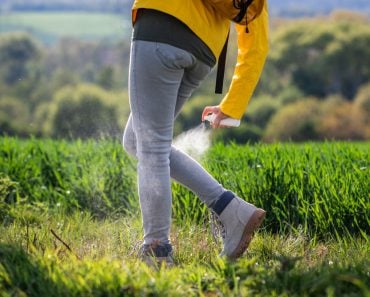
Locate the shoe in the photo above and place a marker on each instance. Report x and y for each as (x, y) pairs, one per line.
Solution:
(238, 222)
(156, 253)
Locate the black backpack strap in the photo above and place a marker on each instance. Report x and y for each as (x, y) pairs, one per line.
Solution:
(243, 7)
(221, 68)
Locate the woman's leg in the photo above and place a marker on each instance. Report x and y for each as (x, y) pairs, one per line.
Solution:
(157, 92)
(156, 74)
(184, 169)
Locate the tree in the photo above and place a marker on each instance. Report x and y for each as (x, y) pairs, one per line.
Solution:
(362, 108)
(296, 122)
(14, 117)
(17, 52)
(341, 123)
(260, 111)
(83, 111)
(322, 57)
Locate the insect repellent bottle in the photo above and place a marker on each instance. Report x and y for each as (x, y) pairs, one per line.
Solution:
(229, 122)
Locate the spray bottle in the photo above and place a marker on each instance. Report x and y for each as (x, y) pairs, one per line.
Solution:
(227, 122)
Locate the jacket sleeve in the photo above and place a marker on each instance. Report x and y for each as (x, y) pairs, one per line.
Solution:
(252, 53)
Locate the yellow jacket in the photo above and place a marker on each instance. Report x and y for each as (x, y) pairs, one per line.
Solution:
(212, 29)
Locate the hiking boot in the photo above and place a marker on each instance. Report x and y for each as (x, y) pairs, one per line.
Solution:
(156, 253)
(239, 220)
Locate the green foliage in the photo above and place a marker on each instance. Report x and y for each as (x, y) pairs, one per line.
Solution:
(14, 116)
(296, 122)
(362, 100)
(106, 78)
(321, 57)
(342, 122)
(86, 175)
(17, 51)
(245, 133)
(312, 57)
(8, 196)
(310, 186)
(83, 111)
(261, 109)
(314, 241)
(102, 262)
(51, 26)
(321, 188)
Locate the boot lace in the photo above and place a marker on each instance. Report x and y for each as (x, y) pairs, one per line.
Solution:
(218, 229)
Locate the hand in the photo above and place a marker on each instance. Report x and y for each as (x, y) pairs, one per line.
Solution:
(216, 111)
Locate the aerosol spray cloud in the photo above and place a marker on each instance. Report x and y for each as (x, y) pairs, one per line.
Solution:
(195, 142)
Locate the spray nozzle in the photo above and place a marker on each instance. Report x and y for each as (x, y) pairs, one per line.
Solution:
(229, 122)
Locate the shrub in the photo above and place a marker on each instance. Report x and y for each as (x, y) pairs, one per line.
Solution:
(362, 108)
(245, 133)
(261, 110)
(341, 123)
(82, 112)
(14, 117)
(296, 121)
(362, 101)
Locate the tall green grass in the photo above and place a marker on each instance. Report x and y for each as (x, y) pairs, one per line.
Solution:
(85, 192)
(93, 176)
(317, 189)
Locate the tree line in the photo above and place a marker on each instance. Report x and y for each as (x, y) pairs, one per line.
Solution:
(315, 86)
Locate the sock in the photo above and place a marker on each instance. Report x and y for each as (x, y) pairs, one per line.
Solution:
(222, 202)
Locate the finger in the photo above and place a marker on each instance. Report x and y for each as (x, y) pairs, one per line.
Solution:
(209, 109)
(216, 121)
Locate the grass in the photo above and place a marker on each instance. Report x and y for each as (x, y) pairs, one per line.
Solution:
(102, 262)
(314, 241)
(50, 26)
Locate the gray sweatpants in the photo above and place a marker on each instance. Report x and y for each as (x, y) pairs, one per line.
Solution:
(161, 79)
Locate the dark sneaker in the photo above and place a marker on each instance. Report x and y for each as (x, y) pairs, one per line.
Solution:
(156, 253)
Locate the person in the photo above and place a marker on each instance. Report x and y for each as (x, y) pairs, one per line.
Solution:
(174, 47)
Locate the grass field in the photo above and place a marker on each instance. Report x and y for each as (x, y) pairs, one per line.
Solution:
(70, 222)
(50, 26)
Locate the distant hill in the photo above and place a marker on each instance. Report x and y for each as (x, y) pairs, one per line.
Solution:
(294, 8)
(282, 8)
(66, 5)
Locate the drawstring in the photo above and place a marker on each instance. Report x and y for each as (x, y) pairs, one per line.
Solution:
(242, 6)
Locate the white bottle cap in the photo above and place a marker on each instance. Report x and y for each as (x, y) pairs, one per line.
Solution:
(229, 122)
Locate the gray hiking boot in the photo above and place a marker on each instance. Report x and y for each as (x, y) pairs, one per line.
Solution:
(239, 220)
(156, 253)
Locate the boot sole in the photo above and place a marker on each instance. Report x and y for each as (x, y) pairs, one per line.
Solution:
(156, 262)
(254, 222)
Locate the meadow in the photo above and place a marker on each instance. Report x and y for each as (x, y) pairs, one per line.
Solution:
(71, 226)
(48, 27)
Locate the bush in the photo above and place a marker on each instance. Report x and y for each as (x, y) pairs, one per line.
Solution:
(82, 112)
(245, 133)
(362, 108)
(14, 117)
(341, 123)
(261, 110)
(17, 52)
(296, 122)
(362, 100)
